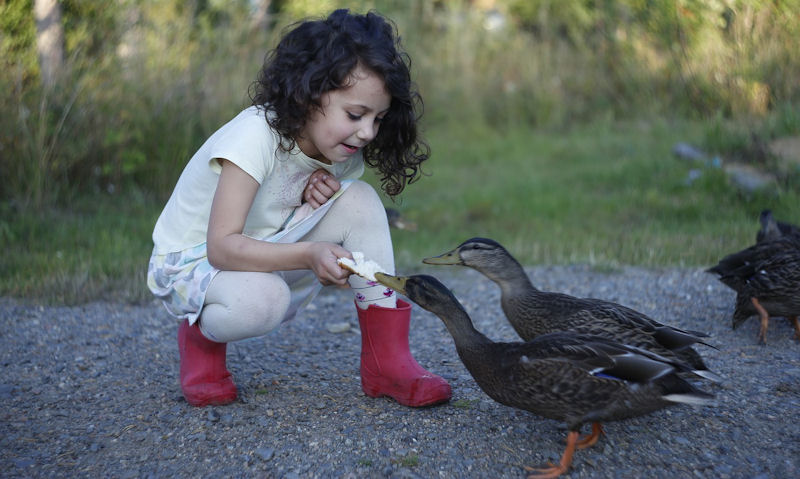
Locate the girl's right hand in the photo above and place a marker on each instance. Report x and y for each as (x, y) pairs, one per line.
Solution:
(323, 263)
(320, 187)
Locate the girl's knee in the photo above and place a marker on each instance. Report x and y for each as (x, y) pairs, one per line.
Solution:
(360, 200)
(360, 192)
(246, 306)
(266, 307)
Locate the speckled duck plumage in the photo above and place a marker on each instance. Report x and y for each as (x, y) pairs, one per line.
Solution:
(766, 279)
(533, 312)
(563, 376)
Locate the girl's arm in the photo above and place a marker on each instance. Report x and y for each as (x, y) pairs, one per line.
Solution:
(230, 250)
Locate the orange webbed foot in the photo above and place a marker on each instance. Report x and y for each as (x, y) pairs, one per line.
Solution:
(548, 472)
(591, 439)
(555, 470)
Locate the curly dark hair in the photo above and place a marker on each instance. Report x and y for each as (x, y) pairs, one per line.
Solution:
(316, 56)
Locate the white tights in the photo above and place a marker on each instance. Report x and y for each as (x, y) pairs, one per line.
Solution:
(241, 304)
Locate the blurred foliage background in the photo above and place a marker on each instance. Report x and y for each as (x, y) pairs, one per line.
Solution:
(102, 103)
(142, 82)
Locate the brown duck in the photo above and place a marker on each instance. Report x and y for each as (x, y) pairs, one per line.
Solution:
(533, 312)
(562, 376)
(766, 279)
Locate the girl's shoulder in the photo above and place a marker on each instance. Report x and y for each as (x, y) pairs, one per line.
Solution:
(251, 118)
(249, 125)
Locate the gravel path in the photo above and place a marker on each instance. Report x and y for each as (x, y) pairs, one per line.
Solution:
(91, 391)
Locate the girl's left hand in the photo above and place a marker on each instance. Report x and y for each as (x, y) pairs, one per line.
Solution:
(321, 186)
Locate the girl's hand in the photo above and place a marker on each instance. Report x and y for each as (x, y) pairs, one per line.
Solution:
(320, 187)
(323, 263)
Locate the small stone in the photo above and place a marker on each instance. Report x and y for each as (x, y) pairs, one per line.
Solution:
(168, 453)
(337, 328)
(265, 453)
(23, 463)
(682, 440)
(6, 390)
(213, 416)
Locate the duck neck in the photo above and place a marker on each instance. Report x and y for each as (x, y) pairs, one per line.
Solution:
(510, 277)
(460, 326)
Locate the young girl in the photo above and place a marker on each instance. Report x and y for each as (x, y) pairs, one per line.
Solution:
(267, 205)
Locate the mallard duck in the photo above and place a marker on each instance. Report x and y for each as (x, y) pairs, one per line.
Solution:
(766, 279)
(533, 312)
(772, 229)
(568, 377)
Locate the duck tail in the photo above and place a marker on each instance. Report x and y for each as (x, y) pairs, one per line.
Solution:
(677, 390)
(677, 339)
(710, 375)
(694, 399)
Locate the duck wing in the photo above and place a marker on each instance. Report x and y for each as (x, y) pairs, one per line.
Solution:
(776, 277)
(596, 355)
(619, 319)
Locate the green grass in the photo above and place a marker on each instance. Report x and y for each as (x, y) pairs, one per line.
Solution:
(605, 195)
(464, 403)
(97, 248)
(407, 461)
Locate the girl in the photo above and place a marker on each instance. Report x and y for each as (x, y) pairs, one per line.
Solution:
(271, 200)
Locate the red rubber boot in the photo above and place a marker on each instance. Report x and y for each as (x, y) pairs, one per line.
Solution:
(204, 378)
(387, 367)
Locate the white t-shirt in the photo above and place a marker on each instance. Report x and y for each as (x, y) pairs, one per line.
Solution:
(249, 143)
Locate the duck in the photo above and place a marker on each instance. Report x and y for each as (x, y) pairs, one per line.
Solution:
(533, 312)
(565, 376)
(772, 229)
(766, 279)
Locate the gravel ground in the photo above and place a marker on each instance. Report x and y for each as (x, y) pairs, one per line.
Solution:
(92, 391)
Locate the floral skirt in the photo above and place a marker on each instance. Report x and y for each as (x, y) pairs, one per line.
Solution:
(180, 279)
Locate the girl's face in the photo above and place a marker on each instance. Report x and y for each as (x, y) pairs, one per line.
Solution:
(348, 120)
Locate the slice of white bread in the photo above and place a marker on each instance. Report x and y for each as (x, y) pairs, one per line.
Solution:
(366, 268)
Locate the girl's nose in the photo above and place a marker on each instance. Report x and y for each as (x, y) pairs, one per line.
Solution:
(367, 131)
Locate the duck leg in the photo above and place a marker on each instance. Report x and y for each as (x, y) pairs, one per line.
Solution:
(591, 439)
(796, 325)
(556, 470)
(764, 315)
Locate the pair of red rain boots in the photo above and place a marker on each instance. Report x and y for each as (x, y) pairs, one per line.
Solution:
(387, 366)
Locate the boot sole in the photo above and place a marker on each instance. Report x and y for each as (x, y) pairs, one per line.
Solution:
(437, 396)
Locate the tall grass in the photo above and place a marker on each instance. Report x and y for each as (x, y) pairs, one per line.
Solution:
(130, 112)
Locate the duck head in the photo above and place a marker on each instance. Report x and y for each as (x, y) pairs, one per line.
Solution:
(426, 291)
(769, 227)
(475, 252)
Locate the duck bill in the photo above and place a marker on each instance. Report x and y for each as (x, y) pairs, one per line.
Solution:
(451, 257)
(397, 283)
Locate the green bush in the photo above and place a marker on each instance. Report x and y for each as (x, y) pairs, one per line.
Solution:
(144, 83)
